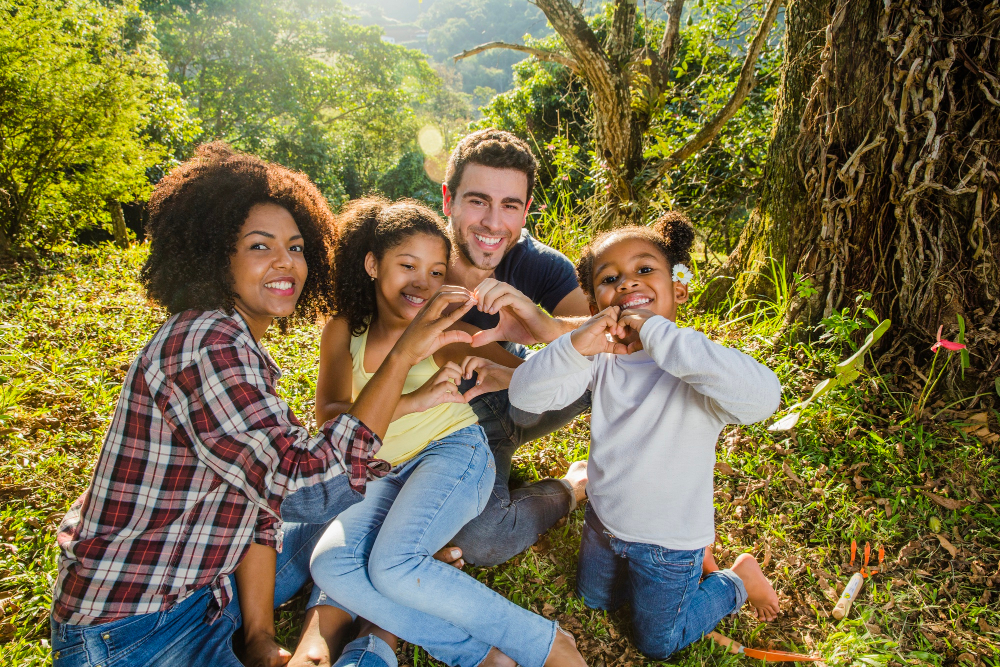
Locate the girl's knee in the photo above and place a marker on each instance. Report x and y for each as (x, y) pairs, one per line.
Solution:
(395, 575)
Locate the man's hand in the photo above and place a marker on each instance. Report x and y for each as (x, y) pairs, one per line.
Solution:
(491, 376)
(440, 388)
(428, 332)
(521, 320)
(633, 319)
(601, 333)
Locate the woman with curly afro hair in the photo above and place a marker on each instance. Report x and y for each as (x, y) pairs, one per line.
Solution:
(209, 494)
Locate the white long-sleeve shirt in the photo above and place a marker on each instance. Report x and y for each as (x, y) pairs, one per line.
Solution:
(656, 417)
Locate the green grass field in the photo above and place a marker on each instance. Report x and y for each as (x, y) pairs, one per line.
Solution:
(855, 467)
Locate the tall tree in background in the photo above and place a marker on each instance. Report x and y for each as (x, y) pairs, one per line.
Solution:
(628, 81)
(298, 83)
(85, 111)
(882, 172)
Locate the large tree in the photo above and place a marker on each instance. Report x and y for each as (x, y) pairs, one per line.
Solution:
(85, 111)
(882, 172)
(629, 80)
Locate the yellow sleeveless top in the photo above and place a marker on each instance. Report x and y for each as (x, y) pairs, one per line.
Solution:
(409, 434)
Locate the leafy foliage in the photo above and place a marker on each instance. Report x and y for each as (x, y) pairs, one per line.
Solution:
(717, 187)
(85, 111)
(298, 83)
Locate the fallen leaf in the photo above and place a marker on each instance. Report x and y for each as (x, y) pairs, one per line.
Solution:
(980, 417)
(767, 555)
(791, 475)
(786, 423)
(985, 627)
(948, 546)
(548, 610)
(947, 503)
(724, 468)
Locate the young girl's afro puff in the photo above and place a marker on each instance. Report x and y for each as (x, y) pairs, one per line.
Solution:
(672, 233)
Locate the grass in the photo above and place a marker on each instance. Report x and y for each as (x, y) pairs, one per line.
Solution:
(853, 468)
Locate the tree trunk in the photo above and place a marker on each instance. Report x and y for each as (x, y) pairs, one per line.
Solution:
(118, 223)
(881, 175)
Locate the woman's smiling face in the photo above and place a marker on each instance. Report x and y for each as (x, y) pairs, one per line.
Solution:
(408, 275)
(268, 266)
(633, 273)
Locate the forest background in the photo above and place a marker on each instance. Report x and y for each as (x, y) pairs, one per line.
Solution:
(839, 162)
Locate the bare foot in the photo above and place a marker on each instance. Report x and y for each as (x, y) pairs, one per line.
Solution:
(497, 659)
(760, 593)
(709, 565)
(451, 556)
(564, 653)
(324, 630)
(369, 628)
(577, 478)
(262, 651)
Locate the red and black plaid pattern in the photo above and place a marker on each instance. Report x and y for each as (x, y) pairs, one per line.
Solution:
(199, 455)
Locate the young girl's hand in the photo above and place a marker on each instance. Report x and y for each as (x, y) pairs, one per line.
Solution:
(441, 388)
(633, 319)
(491, 376)
(592, 336)
(429, 332)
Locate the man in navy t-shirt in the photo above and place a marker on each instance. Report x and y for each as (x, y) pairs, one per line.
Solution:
(528, 293)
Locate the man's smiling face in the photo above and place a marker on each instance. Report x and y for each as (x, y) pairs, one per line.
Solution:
(487, 212)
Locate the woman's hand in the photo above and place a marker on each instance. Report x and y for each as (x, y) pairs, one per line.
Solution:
(491, 376)
(441, 388)
(429, 332)
(632, 320)
(601, 333)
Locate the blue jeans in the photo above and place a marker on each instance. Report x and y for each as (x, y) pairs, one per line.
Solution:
(513, 520)
(179, 636)
(376, 559)
(670, 608)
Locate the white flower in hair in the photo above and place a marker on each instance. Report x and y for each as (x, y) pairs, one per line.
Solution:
(682, 274)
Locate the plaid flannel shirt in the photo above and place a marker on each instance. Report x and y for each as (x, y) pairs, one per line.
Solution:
(200, 454)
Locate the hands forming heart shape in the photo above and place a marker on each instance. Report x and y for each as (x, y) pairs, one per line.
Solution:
(612, 330)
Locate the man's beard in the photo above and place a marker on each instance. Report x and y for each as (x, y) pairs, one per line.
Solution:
(486, 264)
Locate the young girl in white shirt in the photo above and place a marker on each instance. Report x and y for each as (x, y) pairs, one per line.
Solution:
(661, 396)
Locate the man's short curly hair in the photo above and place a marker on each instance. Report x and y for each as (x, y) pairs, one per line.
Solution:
(672, 234)
(491, 148)
(374, 225)
(195, 216)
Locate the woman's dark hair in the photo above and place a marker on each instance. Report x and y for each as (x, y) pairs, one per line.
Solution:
(672, 234)
(195, 216)
(374, 225)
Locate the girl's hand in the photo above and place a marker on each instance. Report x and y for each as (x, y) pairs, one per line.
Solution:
(491, 376)
(428, 332)
(441, 388)
(592, 337)
(633, 319)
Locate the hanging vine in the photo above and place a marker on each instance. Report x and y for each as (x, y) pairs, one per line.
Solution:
(905, 203)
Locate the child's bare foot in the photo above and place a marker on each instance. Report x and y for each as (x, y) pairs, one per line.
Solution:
(577, 478)
(311, 652)
(451, 556)
(760, 593)
(497, 659)
(709, 565)
(262, 651)
(324, 630)
(564, 653)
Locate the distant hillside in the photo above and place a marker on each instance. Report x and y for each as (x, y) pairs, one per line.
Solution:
(442, 28)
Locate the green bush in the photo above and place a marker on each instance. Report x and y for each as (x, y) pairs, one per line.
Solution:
(85, 111)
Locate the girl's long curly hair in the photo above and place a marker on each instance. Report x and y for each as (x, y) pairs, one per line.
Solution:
(374, 225)
(196, 213)
(672, 233)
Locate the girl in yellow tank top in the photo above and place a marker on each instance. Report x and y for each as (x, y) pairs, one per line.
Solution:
(390, 260)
